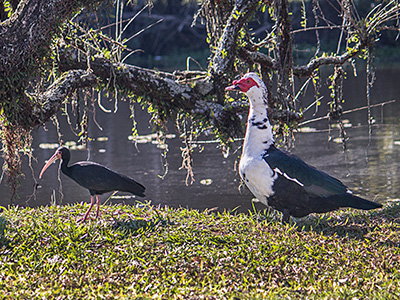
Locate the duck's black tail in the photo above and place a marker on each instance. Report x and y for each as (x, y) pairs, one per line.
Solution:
(349, 200)
(360, 203)
(325, 204)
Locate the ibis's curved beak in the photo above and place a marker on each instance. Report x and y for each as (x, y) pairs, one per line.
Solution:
(52, 159)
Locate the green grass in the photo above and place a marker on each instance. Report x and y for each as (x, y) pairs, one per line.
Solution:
(164, 253)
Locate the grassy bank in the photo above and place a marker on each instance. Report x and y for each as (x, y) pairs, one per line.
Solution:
(169, 253)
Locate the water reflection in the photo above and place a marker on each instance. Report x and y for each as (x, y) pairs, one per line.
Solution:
(369, 167)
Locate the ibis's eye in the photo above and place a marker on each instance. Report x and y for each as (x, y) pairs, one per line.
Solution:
(248, 80)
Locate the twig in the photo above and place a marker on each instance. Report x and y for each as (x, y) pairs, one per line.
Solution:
(346, 112)
(213, 141)
(131, 20)
(140, 31)
(317, 28)
(353, 127)
(312, 104)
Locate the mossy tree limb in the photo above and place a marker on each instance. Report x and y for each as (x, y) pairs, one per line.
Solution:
(50, 101)
(25, 49)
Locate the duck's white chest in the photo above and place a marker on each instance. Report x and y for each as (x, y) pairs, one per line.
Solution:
(253, 169)
(258, 176)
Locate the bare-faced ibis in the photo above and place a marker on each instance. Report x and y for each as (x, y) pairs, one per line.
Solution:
(96, 178)
(279, 179)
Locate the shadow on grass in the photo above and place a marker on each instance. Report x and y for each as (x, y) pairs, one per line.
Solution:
(349, 223)
(3, 226)
(139, 226)
(354, 223)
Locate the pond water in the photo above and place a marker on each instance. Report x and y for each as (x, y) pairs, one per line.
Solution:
(370, 166)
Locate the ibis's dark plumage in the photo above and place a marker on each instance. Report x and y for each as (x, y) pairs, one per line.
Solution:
(279, 179)
(96, 178)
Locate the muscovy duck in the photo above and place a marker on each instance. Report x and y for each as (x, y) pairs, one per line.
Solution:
(96, 178)
(279, 179)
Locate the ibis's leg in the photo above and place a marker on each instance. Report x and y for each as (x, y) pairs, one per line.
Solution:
(88, 211)
(98, 206)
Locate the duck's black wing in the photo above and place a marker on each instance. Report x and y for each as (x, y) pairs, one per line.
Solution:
(300, 189)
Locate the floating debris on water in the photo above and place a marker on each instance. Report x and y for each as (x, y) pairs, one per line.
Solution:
(122, 197)
(48, 146)
(396, 200)
(77, 147)
(337, 140)
(70, 144)
(102, 150)
(161, 146)
(146, 138)
(307, 129)
(208, 181)
(149, 138)
(102, 139)
(346, 124)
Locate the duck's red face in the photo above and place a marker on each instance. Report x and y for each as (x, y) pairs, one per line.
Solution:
(242, 85)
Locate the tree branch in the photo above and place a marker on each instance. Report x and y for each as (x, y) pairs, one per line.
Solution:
(258, 57)
(164, 91)
(305, 70)
(25, 46)
(159, 88)
(49, 102)
(224, 56)
(26, 35)
(315, 63)
(156, 85)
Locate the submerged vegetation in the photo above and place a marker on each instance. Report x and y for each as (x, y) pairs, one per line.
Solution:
(165, 253)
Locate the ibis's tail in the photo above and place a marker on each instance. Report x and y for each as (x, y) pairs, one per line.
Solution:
(131, 186)
(137, 189)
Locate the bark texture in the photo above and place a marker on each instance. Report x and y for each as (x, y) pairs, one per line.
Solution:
(25, 50)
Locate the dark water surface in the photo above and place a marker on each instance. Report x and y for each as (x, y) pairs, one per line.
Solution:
(370, 167)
